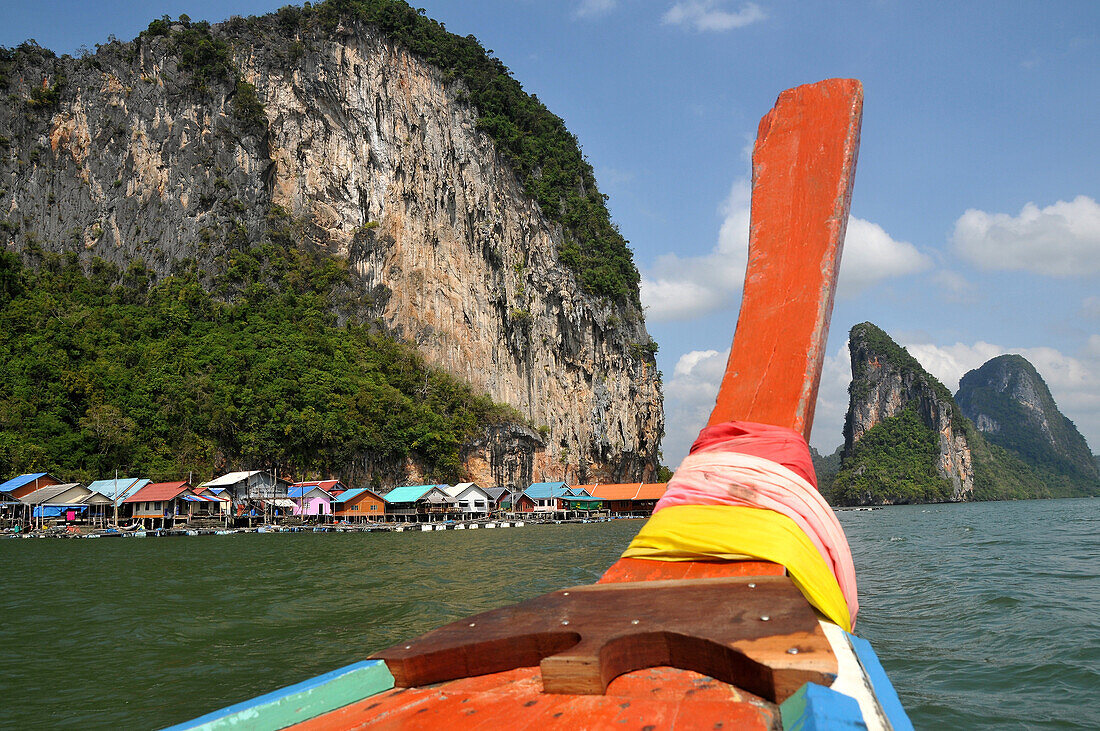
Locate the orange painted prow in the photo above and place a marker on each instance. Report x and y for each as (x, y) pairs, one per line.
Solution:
(803, 166)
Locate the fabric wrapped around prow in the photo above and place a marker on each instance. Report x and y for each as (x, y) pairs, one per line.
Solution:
(748, 490)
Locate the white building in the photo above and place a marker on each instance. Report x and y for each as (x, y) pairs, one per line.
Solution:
(471, 499)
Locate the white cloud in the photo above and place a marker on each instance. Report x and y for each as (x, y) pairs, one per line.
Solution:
(697, 376)
(832, 401)
(689, 399)
(709, 15)
(1074, 381)
(953, 286)
(594, 8)
(1061, 240)
(872, 255)
(949, 363)
(682, 288)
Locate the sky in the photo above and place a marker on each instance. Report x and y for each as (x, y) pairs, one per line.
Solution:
(975, 221)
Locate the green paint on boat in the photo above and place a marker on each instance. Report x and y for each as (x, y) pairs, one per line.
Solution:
(300, 702)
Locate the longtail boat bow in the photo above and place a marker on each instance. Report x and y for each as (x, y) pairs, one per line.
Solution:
(734, 605)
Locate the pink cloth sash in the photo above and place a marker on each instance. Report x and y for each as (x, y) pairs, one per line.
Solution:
(764, 466)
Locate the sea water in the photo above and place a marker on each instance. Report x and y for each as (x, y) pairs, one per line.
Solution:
(985, 615)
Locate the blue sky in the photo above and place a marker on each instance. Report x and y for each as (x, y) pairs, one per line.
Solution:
(975, 225)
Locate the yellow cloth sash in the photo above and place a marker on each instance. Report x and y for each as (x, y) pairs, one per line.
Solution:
(731, 532)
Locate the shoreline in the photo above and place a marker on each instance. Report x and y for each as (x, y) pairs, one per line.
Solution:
(365, 528)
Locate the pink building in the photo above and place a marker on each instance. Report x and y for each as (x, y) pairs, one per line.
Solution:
(313, 498)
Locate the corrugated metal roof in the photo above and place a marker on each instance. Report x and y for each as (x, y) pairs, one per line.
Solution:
(345, 496)
(201, 499)
(410, 494)
(543, 490)
(617, 491)
(281, 502)
(627, 490)
(496, 492)
(51, 493)
(158, 491)
(20, 480)
(456, 490)
(121, 489)
(304, 489)
(326, 485)
(231, 478)
(652, 491)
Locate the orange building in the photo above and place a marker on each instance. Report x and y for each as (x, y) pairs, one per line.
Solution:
(359, 504)
(631, 497)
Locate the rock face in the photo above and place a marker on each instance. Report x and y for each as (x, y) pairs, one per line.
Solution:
(907, 440)
(887, 381)
(121, 156)
(1011, 405)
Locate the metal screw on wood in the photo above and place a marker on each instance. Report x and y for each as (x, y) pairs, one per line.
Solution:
(473, 624)
(564, 622)
(765, 618)
(752, 586)
(792, 651)
(634, 621)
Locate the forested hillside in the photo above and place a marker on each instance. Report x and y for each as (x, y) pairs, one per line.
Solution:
(104, 371)
(1010, 403)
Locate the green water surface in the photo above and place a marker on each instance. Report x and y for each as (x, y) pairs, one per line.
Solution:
(985, 615)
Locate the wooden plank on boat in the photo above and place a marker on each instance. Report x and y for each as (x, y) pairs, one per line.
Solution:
(758, 634)
(654, 699)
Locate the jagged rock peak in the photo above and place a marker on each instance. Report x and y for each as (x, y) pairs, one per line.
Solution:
(892, 398)
(1010, 404)
(174, 149)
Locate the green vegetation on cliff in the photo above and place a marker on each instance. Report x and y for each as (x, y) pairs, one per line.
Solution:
(894, 462)
(1036, 431)
(891, 354)
(106, 370)
(208, 60)
(545, 156)
(1001, 475)
(897, 460)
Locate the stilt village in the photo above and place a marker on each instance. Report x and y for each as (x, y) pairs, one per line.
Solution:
(41, 505)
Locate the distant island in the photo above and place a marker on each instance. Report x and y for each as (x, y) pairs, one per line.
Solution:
(908, 440)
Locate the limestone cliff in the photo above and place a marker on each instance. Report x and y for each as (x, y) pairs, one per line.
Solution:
(894, 399)
(907, 440)
(151, 153)
(1011, 405)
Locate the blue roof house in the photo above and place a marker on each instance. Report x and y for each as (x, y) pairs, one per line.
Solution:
(545, 495)
(118, 489)
(419, 500)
